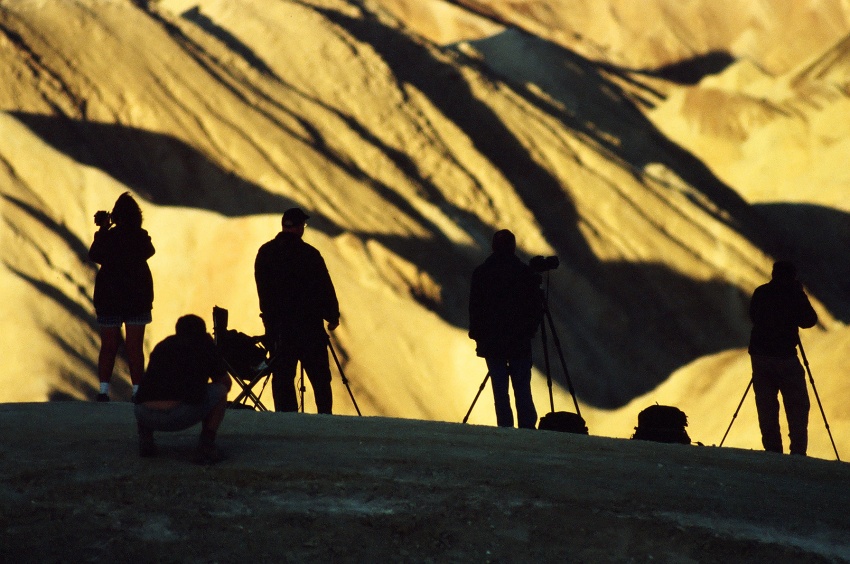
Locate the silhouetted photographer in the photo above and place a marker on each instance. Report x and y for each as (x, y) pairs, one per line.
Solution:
(778, 309)
(505, 310)
(123, 288)
(296, 297)
(185, 384)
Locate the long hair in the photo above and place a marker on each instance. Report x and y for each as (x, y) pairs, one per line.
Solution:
(126, 211)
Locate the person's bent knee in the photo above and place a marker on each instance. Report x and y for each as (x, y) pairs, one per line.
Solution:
(217, 393)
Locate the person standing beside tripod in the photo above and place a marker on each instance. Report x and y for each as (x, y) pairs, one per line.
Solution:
(777, 310)
(505, 310)
(296, 295)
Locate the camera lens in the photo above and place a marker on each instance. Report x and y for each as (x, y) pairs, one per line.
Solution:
(542, 264)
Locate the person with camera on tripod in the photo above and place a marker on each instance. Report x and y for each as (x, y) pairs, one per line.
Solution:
(505, 310)
(296, 297)
(778, 309)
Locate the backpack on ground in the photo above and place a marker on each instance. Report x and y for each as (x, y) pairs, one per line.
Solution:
(663, 424)
(563, 421)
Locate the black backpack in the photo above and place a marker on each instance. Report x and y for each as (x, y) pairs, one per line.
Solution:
(662, 424)
(241, 352)
(563, 421)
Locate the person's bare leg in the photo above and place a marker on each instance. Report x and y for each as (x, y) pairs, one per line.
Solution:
(134, 347)
(110, 338)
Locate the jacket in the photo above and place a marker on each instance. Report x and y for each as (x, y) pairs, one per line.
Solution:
(123, 285)
(777, 310)
(179, 369)
(295, 289)
(505, 307)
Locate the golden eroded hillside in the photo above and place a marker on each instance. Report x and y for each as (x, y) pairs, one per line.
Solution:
(411, 132)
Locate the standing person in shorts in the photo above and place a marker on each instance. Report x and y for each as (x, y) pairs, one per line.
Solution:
(123, 288)
(176, 393)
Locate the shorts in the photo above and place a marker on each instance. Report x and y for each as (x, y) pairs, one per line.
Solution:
(119, 320)
(182, 416)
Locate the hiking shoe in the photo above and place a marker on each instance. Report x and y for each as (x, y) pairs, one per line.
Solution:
(208, 454)
(102, 397)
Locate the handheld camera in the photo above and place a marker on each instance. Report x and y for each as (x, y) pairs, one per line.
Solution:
(102, 219)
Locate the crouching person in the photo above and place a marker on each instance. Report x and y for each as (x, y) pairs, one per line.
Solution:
(175, 392)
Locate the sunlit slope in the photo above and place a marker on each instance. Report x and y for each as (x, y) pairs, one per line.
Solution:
(407, 156)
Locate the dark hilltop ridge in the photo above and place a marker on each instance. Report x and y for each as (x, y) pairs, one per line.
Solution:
(299, 488)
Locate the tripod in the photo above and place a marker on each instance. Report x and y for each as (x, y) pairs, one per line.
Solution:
(342, 376)
(817, 397)
(547, 318)
(814, 389)
(302, 388)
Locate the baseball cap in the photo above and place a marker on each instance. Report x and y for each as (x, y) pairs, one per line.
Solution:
(294, 216)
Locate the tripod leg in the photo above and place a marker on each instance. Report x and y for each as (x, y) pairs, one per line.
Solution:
(301, 387)
(563, 363)
(548, 368)
(480, 389)
(736, 411)
(817, 397)
(342, 376)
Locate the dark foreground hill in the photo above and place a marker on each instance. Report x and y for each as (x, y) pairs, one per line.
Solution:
(309, 488)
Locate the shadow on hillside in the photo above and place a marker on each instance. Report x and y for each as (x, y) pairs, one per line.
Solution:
(233, 43)
(78, 305)
(159, 167)
(412, 63)
(53, 293)
(638, 144)
(601, 111)
(616, 347)
(307, 133)
(692, 71)
(77, 246)
(820, 239)
(71, 304)
(82, 382)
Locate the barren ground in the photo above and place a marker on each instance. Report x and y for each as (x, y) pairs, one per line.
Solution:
(301, 488)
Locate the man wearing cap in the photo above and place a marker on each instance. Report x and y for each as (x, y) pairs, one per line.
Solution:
(296, 297)
(778, 309)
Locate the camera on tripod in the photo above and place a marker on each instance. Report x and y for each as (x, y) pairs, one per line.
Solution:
(543, 264)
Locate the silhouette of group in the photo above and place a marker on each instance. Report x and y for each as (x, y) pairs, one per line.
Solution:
(186, 383)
